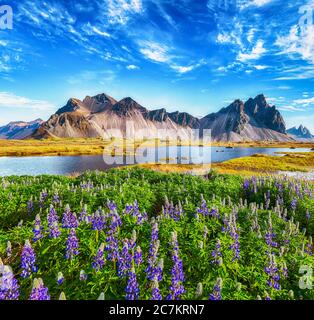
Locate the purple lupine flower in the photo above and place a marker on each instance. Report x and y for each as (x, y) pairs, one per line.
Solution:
(156, 295)
(284, 271)
(134, 211)
(9, 249)
(267, 297)
(132, 290)
(54, 231)
(30, 206)
(124, 260)
(174, 212)
(83, 217)
(152, 270)
(60, 278)
(42, 198)
(69, 220)
(294, 204)
(39, 291)
(98, 221)
(308, 215)
(56, 198)
(53, 223)
(52, 216)
(309, 247)
(9, 287)
(246, 185)
(132, 241)
(204, 210)
(216, 294)
(112, 242)
(37, 229)
(112, 206)
(176, 287)
(270, 235)
(159, 270)
(235, 246)
(28, 260)
(83, 275)
(87, 185)
(138, 257)
(216, 254)
(273, 273)
(72, 245)
(99, 259)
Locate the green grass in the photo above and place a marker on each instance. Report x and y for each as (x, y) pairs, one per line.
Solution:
(242, 279)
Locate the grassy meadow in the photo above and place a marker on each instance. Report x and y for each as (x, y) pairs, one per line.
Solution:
(137, 234)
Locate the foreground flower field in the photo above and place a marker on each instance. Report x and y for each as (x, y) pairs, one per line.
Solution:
(138, 234)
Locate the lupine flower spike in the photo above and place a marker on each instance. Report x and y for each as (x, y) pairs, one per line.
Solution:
(216, 294)
(39, 291)
(132, 289)
(9, 287)
(28, 260)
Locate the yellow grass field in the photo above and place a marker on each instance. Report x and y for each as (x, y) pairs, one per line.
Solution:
(62, 147)
(252, 165)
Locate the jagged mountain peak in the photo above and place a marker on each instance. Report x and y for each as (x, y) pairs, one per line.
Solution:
(126, 106)
(72, 105)
(99, 102)
(300, 132)
(237, 105)
(103, 98)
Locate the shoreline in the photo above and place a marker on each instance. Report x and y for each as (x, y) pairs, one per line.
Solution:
(89, 147)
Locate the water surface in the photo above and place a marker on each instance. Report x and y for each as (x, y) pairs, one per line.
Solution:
(65, 165)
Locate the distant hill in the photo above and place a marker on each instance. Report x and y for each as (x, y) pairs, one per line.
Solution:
(300, 133)
(19, 129)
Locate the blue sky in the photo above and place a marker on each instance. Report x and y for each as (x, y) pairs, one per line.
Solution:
(187, 55)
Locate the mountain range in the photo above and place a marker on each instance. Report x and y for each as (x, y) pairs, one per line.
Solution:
(103, 116)
(19, 129)
(300, 133)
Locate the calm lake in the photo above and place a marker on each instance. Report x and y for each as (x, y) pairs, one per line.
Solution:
(65, 165)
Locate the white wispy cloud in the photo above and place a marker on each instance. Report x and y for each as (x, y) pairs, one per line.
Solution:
(296, 73)
(10, 100)
(257, 51)
(305, 102)
(93, 30)
(284, 88)
(3, 43)
(298, 42)
(232, 35)
(289, 108)
(119, 11)
(243, 4)
(154, 51)
(132, 67)
(183, 69)
(261, 67)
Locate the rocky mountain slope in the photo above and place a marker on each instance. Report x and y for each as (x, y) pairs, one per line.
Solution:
(103, 116)
(19, 129)
(254, 120)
